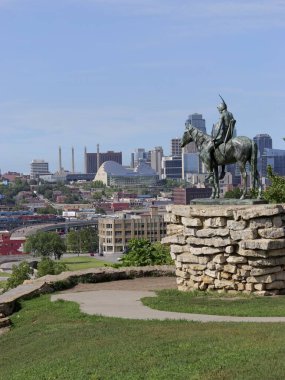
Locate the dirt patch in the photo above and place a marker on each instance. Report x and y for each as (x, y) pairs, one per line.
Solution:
(142, 283)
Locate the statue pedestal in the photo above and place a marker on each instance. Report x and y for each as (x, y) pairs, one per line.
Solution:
(232, 248)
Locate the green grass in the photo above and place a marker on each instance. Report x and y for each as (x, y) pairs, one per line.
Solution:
(51, 341)
(4, 274)
(218, 304)
(2, 284)
(83, 262)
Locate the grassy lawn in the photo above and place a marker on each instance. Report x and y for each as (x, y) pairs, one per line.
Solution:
(83, 262)
(218, 304)
(4, 274)
(55, 341)
(2, 285)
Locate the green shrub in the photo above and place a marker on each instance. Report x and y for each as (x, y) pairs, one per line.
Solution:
(20, 273)
(276, 192)
(142, 252)
(48, 266)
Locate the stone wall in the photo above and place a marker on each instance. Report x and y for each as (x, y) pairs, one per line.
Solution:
(228, 248)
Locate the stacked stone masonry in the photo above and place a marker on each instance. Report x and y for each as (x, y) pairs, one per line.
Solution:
(228, 248)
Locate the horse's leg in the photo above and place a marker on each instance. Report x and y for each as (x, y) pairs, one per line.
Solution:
(244, 179)
(216, 181)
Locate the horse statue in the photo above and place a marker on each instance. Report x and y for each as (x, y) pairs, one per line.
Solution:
(238, 150)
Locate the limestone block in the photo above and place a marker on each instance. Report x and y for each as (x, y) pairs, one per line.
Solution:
(236, 260)
(203, 286)
(236, 225)
(249, 287)
(275, 285)
(277, 252)
(253, 253)
(270, 262)
(196, 278)
(272, 233)
(262, 271)
(266, 279)
(179, 280)
(173, 255)
(244, 273)
(205, 250)
(174, 229)
(211, 273)
(226, 284)
(187, 258)
(215, 222)
(211, 265)
(219, 259)
(263, 244)
(203, 259)
(226, 275)
(197, 267)
(230, 268)
(194, 272)
(208, 280)
(280, 276)
(258, 211)
(230, 249)
(175, 249)
(174, 239)
(188, 231)
(181, 273)
(219, 267)
(246, 267)
(276, 221)
(212, 232)
(210, 212)
(247, 234)
(171, 218)
(259, 287)
(191, 222)
(210, 242)
(240, 287)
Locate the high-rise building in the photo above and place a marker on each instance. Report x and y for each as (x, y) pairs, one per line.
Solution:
(156, 157)
(175, 148)
(197, 121)
(172, 167)
(275, 158)
(92, 158)
(263, 141)
(38, 167)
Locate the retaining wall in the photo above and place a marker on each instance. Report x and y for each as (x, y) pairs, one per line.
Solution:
(228, 248)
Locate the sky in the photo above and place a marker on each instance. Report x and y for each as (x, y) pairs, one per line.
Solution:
(126, 74)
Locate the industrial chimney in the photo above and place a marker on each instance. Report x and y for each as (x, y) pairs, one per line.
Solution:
(59, 160)
(72, 160)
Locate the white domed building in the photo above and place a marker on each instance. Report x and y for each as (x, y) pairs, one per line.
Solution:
(113, 174)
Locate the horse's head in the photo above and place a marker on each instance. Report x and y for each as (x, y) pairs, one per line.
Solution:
(187, 136)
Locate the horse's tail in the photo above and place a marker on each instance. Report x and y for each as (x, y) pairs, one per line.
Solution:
(254, 172)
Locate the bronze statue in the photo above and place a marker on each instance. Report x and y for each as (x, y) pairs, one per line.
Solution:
(222, 149)
(222, 132)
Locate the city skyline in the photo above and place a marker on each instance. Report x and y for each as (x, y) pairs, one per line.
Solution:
(127, 74)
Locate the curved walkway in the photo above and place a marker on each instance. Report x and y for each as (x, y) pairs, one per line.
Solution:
(117, 300)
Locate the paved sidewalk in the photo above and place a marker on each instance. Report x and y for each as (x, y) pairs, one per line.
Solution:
(124, 303)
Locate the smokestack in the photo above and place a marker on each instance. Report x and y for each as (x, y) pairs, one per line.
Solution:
(72, 159)
(59, 160)
(98, 157)
(85, 160)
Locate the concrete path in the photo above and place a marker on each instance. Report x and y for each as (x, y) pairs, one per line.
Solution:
(127, 304)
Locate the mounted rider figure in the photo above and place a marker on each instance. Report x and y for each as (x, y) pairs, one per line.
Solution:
(222, 132)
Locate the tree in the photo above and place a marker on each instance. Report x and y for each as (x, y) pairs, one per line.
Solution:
(276, 192)
(48, 266)
(20, 273)
(45, 244)
(85, 240)
(47, 210)
(141, 252)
